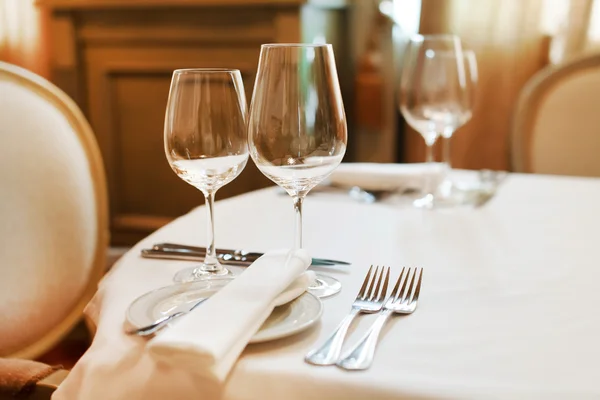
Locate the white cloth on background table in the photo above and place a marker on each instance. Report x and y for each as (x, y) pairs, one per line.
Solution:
(396, 177)
(209, 339)
(508, 306)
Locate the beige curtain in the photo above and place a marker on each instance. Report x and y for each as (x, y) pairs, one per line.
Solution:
(21, 35)
(575, 31)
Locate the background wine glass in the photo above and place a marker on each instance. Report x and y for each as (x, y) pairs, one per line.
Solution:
(447, 188)
(433, 94)
(297, 126)
(206, 142)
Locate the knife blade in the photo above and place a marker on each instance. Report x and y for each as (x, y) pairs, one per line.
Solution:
(235, 254)
(169, 255)
(225, 259)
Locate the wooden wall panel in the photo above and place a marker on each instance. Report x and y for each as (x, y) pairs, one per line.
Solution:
(117, 64)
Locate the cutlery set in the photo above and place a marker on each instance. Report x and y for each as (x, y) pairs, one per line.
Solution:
(239, 258)
(174, 251)
(370, 299)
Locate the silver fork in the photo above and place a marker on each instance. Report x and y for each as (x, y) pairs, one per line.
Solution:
(369, 300)
(402, 300)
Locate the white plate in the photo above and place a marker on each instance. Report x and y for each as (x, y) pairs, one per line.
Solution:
(285, 320)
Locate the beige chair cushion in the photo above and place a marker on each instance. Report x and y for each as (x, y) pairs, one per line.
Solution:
(557, 121)
(51, 213)
(18, 378)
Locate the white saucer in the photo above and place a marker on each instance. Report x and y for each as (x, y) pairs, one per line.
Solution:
(284, 321)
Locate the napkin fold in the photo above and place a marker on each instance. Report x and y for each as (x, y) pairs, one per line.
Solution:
(396, 177)
(209, 340)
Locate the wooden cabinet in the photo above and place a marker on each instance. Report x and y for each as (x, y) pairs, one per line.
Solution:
(116, 57)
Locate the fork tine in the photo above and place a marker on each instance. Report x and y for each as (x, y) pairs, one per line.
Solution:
(396, 291)
(375, 294)
(363, 288)
(383, 291)
(406, 293)
(415, 296)
(368, 295)
(400, 293)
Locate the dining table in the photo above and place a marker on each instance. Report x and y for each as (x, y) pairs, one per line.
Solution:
(508, 307)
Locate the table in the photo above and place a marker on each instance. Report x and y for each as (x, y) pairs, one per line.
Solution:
(507, 307)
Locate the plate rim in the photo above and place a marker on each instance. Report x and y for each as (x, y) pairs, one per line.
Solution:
(294, 329)
(297, 329)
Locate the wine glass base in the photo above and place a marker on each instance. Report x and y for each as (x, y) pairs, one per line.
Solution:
(463, 193)
(454, 199)
(426, 202)
(324, 286)
(447, 188)
(448, 195)
(200, 272)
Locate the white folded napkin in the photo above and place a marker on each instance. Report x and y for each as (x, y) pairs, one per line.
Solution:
(398, 177)
(209, 340)
(296, 288)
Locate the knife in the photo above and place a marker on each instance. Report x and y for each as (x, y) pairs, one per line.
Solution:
(172, 255)
(225, 259)
(231, 254)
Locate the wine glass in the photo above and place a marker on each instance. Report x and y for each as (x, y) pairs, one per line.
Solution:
(297, 126)
(206, 143)
(434, 97)
(447, 188)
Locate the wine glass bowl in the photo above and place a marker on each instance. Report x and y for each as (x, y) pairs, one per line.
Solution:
(464, 96)
(297, 130)
(449, 191)
(210, 173)
(434, 94)
(205, 140)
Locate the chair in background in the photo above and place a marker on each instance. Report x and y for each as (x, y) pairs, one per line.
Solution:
(556, 125)
(54, 230)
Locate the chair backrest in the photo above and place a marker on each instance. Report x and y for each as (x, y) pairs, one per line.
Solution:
(53, 213)
(556, 125)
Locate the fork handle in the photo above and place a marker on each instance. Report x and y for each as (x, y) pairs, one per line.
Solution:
(330, 350)
(362, 354)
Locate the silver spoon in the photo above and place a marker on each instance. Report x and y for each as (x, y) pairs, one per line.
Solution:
(161, 322)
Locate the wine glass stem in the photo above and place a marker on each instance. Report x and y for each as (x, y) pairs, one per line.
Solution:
(446, 159)
(446, 186)
(429, 152)
(429, 159)
(211, 252)
(298, 211)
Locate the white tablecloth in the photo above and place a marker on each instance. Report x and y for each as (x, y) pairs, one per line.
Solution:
(508, 305)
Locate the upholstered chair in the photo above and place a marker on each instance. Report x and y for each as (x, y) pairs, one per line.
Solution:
(556, 124)
(54, 225)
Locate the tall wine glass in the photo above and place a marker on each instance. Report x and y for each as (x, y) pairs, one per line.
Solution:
(297, 126)
(206, 143)
(433, 92)
(447, 187)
